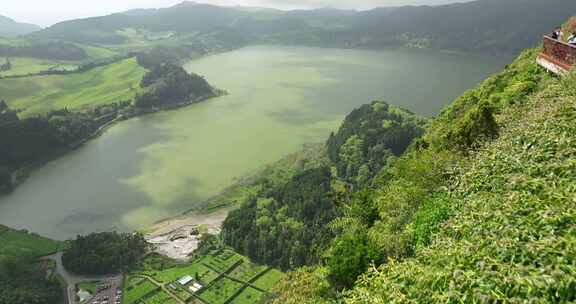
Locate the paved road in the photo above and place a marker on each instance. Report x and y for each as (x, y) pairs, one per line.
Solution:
(73, 279)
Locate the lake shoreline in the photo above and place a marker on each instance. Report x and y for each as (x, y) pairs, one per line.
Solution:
(20, 175)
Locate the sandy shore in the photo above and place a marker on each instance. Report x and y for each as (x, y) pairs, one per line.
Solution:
(179, 237)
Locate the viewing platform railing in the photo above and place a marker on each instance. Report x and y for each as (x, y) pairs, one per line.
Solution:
(558, 57)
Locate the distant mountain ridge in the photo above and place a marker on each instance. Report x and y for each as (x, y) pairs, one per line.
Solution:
(482, 26)
(10, 28)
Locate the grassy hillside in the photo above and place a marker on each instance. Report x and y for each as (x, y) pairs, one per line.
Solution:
(479, 210)
(103, 85)
(511, 230)
(25, 66)
(21, 244)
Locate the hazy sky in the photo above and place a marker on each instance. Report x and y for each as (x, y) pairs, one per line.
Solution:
(47, 12)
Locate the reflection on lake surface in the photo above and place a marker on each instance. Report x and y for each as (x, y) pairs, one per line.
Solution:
(160, 165)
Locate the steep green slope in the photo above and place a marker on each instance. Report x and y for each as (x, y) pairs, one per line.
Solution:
(480, 209)
(511, 235)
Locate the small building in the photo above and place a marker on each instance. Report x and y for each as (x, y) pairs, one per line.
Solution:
(557, 57)
(195, 287)
(185, 280)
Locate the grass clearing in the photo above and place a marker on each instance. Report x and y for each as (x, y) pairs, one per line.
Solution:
(25, 66)
(220, 291)
(246, 271)
(160, 298)
(248, 296)
(22, 244)
(103, 85)
(133, 293)
(222, 261)
(269, 279)
(205, 274)
(179, 291)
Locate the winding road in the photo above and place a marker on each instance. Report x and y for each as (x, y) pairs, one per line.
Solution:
(73, 279)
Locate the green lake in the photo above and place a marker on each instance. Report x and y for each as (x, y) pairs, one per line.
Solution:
(160, 165)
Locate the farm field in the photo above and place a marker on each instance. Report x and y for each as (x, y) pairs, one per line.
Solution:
(248, 296)
(25, 66)
(134, 293)
(222, 276)
(269, 279)
(103, 85)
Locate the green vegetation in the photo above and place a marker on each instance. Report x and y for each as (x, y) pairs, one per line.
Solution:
(197, 270)
(285, 222)
(133, 293)
(268, 279)
(57, 50)
(160, 298)
(369, 137)
(22, 277)
(220, 291)
(61, 112)
(248, 296)
(511, 235)
(225, 276)
(104, 253)
(100, 86)
(24, 245)
(476, 26)
(90, 287)
(27, 66)
(169, 85)
(477, 210)
(9, 27)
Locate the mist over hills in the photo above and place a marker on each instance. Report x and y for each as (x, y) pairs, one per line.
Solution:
(10, 28)
(483, 26)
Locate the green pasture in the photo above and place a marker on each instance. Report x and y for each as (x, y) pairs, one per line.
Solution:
(269, 279)
(135, 292)
(220, 291)
(205, 274)
(248, 296)
(20, 244)
(104, 85)
(224, 274)
(26, 66)
(160, 298)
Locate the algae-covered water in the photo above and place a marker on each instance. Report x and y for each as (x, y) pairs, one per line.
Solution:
(280, 98)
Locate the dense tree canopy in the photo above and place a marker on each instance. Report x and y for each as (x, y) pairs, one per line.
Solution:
(169, 84)
(285, 226)
(21, 283)
(104, 253)
(369, 137)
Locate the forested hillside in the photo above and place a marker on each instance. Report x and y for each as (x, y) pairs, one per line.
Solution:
(482, 26)
(479, 209)
(285, 223)
(9, 27)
